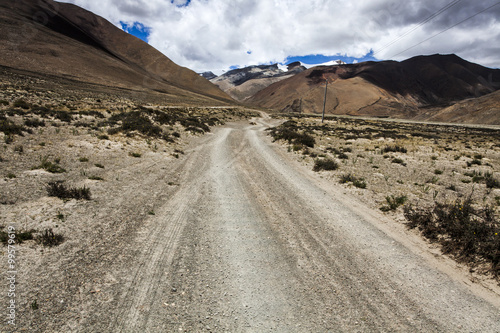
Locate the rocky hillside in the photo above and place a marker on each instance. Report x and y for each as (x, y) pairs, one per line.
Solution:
(244, 82)
(66, 41)
(407, 89)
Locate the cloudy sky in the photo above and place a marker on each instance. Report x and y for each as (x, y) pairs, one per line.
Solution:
(216, 35)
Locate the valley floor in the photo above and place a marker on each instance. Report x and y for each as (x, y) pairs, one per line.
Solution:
(234, 235)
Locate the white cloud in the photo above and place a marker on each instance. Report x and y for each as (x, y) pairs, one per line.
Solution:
(216, 34)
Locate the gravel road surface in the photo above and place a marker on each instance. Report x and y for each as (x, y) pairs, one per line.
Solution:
(251, 241)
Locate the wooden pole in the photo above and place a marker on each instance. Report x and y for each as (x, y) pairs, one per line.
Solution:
(324, 103)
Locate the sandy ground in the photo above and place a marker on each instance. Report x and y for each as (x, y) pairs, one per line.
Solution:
(235, 235)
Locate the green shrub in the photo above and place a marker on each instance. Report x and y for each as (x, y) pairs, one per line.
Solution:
(10, 128)
(49, 166)
(21, 104)
(194, 124)
(19, 238)
(343, 156)
(359, 183)
(492, 182)
(469, 234)
(63, 116)
(59, 190)
(305, 139)
(394, 149)
(34, 123)
(288, 131)
(135, 121)
(346, 178)
(393, 202)
(474, 162)
(134, 154)
(49, 238)
(398, 161)
(325, 164)
(8, 139)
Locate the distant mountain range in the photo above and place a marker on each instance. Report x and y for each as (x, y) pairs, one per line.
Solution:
(417, 88)
(66, 41)
(242, 83)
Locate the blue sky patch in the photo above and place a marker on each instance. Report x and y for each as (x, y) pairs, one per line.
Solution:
(137, 29)
(320, 58)
(185, 4)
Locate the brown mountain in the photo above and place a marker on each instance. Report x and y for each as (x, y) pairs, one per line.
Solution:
(242, 83)
(480, 110)
(66, 41)
(406, 89)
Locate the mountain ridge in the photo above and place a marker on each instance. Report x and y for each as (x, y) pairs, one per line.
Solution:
(71, 42)
(385, 88)
(241, 83)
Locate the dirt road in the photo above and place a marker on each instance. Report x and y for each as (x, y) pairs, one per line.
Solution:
(251, 241)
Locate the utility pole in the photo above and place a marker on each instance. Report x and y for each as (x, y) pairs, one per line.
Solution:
(324, 103)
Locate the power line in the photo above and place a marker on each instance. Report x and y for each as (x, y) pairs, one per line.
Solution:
(421, 23)
(439, 33)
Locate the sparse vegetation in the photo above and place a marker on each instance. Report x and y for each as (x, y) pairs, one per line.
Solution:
(48, 238)
(492, 182)
(34, 123)
(350, 178)
(395, 149)
(397, 160)
(393, 202)
(50, 166)
(59, 190)
(9, 128)
(20, 103)
(20, 236)
(474, 162)
(288, 132)
(19, 149)
(471, 235)
(325, 164)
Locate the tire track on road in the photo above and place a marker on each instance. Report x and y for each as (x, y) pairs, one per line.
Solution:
(158, 242)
